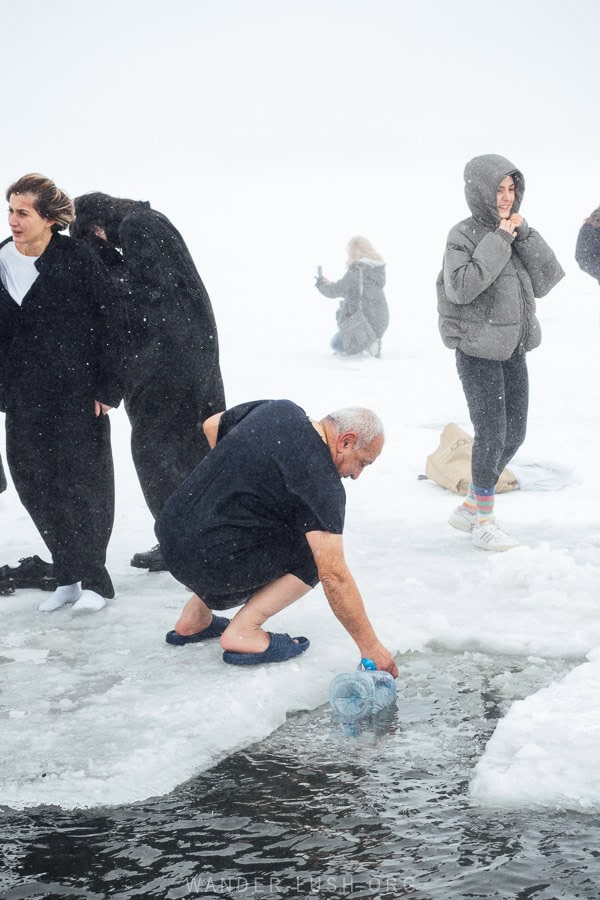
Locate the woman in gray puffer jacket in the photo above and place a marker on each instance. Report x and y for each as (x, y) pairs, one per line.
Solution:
(361, 288)
(494, 267)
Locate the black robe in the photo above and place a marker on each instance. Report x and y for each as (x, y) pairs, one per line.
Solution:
(61, 350)
(173, 379)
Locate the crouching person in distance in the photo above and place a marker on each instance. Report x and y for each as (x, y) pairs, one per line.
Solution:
(259, 522)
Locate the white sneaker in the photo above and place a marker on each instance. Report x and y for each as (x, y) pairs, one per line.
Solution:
(489, 536)
(463, 518)
(89, 601)
(64, 593)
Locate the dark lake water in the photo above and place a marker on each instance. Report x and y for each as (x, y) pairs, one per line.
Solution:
(313, 812)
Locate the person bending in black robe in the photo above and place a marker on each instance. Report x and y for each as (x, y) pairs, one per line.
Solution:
(173, 379)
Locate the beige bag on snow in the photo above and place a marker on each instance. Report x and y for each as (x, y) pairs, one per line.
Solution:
(450, 464)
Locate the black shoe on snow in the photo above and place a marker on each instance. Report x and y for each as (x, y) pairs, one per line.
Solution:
(33, 572)
(151, 560)
(7, 584)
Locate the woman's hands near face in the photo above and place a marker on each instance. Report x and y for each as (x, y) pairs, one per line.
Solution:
(507, 225)
(512, 223)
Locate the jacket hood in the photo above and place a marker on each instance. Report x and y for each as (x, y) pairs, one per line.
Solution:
(483, 174)
(367, 261)
(373, 271)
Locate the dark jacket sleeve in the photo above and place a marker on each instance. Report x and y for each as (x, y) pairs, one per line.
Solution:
(7, 323)
(106, 318)
(587, 251)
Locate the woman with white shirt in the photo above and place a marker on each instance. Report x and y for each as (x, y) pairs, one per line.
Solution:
(60, 372)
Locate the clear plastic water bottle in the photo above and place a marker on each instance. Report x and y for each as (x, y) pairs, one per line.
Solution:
(355, 696)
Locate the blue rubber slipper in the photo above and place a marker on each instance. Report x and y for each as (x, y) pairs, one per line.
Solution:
(281, 647)
(214, 630)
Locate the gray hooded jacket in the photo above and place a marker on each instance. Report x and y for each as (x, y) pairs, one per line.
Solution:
(490, 279)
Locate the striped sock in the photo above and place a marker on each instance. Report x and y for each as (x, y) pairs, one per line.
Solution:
(469, 502)
(484, 499)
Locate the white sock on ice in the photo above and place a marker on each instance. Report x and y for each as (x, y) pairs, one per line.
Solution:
(89, 601)
(64, 593)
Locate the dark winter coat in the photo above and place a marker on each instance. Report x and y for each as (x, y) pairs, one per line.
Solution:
(370, 275)
(64, 344)
(490, 279)
(62, 349)
(587, 251)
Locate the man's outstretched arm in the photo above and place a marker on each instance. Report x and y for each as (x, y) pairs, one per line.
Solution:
(345, 599)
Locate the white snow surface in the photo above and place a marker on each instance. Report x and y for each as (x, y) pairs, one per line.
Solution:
(545, 751)
(98, 709)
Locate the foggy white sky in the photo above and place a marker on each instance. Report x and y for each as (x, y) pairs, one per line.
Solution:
(268, 128)
(121, 94)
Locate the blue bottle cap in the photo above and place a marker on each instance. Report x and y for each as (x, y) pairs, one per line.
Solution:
(368, 664)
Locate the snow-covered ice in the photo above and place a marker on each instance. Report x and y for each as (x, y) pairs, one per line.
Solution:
(97, 709)
(545, 751)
